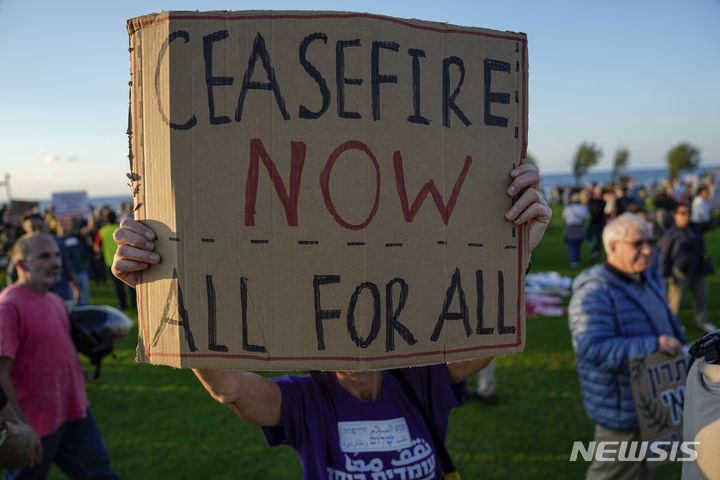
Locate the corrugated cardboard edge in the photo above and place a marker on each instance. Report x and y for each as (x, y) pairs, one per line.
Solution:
(134, 134)
(137, 23)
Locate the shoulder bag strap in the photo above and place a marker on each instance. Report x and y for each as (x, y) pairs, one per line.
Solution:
(445, 460)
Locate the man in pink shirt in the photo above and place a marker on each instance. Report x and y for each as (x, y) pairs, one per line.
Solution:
(40, 371)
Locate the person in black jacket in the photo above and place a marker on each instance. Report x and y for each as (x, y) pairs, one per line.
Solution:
(593, 233)
(684, 264)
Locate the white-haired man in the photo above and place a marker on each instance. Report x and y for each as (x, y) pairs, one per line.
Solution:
(615, 314)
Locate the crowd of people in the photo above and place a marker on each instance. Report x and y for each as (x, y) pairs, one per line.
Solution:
(85, 244)
(621, 308)
(678, 214)
(627, 306)
(306, 412)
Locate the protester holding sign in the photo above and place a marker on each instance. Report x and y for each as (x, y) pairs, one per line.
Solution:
(348, 173)
(329, 418)
(615, 314)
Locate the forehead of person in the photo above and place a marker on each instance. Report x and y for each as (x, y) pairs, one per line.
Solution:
(65, 224)
(40, 243)
(38, 262)
(38, 249)
(631, 253)
(33, 224)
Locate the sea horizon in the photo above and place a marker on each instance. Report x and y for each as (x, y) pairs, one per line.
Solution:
(643, 176)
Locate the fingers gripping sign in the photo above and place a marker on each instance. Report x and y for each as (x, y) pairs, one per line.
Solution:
(530, 206)
(135, 250)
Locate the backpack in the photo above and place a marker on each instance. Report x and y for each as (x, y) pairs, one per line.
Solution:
(94, 329)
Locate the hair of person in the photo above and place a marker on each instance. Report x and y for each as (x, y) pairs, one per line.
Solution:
(635, 208)
(110, 217)
(617, 229)
(32, 216)
(21, 248)
(701, 188)
(678, 205)
(323, 378)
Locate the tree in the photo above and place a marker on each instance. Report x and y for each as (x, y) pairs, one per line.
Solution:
(587, 156)
(620, 162)
(682, 157)
(530, 158)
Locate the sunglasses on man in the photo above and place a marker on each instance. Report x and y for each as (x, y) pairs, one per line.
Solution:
(639, 243)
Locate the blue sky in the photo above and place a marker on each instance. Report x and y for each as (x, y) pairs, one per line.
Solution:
(644, 75)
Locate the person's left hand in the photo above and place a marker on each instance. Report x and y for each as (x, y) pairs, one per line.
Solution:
(530, 206)
(669, 345)
(22, 447)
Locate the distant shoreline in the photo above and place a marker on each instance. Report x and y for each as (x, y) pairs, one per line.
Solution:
(700, 169)
(644, 176)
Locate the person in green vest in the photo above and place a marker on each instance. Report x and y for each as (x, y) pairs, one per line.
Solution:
(105, 243)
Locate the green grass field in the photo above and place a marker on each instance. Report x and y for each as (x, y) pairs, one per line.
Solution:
(159, 423)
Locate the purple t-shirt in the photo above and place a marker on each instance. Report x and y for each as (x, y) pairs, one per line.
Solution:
(339, 436)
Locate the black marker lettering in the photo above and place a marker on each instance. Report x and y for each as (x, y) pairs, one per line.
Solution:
(259, 51)
(175, 293)
(480, 330)
(210, 80)
(448, 99)
(247, 346)
(340, 79)
(377, 316)
(392, 315)
(313, 72)
(463, 314)
(321, 314)
(416, 117)
(212, 318)
(494, 97)
(502, 329)
(163, 50)
(376, 78)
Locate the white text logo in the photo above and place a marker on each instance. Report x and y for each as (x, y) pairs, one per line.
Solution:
(634, 451)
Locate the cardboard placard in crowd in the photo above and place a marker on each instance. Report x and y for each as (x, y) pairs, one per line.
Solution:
(658, 386)
(70, 204)
(328, 189)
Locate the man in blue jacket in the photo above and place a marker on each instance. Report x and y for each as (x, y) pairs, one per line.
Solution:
(615, 314)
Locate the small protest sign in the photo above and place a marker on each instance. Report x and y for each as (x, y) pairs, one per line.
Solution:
(328, 189)
(70, 204)
(22, 207)
(658, 386)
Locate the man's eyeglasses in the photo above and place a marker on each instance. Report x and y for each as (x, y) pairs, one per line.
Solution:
(639, 243)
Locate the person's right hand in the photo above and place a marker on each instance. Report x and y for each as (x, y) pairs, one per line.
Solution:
(669, 345)
(135, 250)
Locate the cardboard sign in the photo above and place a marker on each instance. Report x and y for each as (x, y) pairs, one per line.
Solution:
(21, 207)
(328, 189)
(658, 386)
(70, 204)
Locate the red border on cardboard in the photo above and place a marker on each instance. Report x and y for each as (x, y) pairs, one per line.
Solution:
(139, 216)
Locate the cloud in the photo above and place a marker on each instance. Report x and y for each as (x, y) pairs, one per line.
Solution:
(56, 158)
